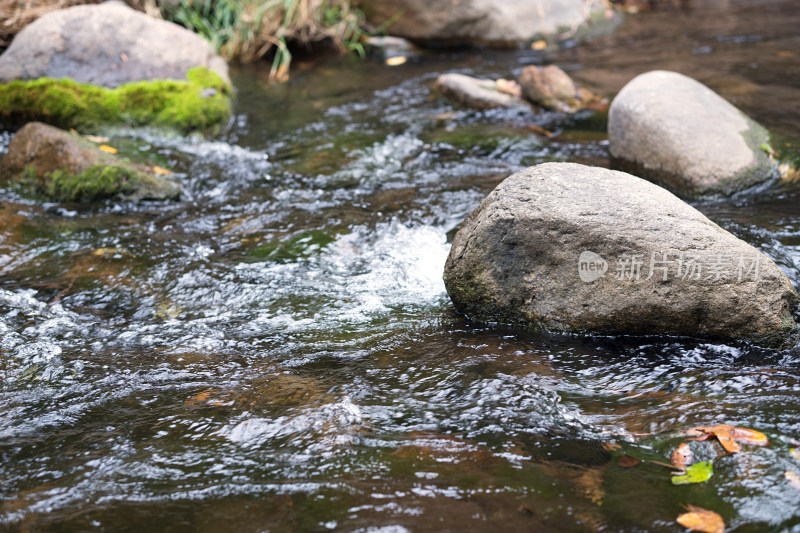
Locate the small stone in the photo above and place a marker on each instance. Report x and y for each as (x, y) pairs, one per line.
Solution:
(474, 93)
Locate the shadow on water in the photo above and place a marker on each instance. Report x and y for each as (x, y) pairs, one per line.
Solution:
(277, 351)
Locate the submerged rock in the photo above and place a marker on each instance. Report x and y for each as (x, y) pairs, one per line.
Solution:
(99, 64)
(474, 93)
(503, 23)
(552, 88)
(66, 167)
(569, 248)
(677, 132)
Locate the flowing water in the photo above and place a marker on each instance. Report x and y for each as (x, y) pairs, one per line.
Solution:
(276, 352)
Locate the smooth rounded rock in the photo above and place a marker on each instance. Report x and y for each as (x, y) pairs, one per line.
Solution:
(107, 45)
(488, 22)
(474, 93)
(677, 132)
(63, 166)
(563, 247)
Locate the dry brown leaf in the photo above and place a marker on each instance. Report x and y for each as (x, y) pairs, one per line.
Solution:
(540, 130)
(793, 479)
(750, 437)
(723, 432)
(682, 456)
(703, 520)
(725, 438)
(508, 87)
(627, 461)
(107, 148)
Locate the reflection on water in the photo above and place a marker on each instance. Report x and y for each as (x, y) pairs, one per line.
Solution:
(277, 351)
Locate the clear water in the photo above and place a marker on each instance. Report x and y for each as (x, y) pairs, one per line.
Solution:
(277, 351)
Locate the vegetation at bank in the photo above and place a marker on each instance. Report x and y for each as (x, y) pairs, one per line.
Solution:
(241, 30)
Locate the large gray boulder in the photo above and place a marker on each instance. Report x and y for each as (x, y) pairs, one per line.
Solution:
(564, 247)
(108, 45)
(677, 132)
(488, 22)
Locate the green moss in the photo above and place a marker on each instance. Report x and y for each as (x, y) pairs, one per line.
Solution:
(95, 183)
(302, 245)
(200, 102)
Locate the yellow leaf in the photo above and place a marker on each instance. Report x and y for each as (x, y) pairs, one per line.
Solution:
(161, 170)
(539, 45)
(750, 436)
(395, 61)
(702, 520)
(793, 479)
(794, 452)
(107, 148)
(785, 53)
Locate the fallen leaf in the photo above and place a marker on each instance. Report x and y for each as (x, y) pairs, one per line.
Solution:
(750, 437)
(107, 148)
(508, 87)
(703, 520)
(723, 432)
(627, 461)
(697, 473)
(160, 170)
(395, 61)
(682, 456)
(794, 452)
(785, 53)
(96, 139)
(793, 479)
(541, 131)
(539, 45)
(698, 434)
(725, 437)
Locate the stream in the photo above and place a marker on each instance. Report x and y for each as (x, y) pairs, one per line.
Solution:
(277, 352)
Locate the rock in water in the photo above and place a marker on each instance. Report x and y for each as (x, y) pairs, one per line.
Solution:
(107, 45)
(552, 88)
(473, 92)
(569, 248)
(677, 132)
(466, 22)
(66, 167)
(91, 66)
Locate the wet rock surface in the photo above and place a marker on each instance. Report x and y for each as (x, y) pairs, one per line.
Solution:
(474, 93)
(569, 248)
(63, 166)
(490, 22)
(108, 45)
(552, 88)
(677, 132)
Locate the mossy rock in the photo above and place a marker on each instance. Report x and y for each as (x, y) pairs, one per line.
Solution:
(63, 166)
(201, 102)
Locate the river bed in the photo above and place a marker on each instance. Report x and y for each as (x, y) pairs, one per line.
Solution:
(276, 351)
